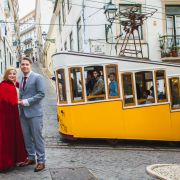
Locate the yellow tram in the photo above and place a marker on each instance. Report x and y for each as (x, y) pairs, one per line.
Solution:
(117, 97)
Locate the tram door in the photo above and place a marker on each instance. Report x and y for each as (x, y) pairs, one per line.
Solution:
(62, 99)
(174, 87)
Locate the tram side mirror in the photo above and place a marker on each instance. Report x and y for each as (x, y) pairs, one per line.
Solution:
(53, 78)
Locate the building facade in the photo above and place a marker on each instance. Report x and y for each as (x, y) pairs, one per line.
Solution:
(82, 26)
(160, 34)
(28, 35)
(44, 11)
(9, 34)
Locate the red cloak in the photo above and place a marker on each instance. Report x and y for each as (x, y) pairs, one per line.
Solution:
(12, 147)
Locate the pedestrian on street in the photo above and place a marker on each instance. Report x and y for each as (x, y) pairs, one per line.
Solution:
(33, 59)
(31, 114)
(12, 147)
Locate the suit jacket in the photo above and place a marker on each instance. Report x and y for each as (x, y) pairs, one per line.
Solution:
(34, 92)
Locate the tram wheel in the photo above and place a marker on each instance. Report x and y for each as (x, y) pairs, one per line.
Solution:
(112, 141)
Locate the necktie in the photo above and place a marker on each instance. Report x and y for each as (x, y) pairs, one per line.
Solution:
(24, 82)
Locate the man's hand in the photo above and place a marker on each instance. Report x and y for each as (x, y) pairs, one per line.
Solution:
(23, 102)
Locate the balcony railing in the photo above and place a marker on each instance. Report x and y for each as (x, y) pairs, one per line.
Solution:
(170, 46)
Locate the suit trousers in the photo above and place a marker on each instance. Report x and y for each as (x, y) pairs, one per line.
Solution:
(34, 141)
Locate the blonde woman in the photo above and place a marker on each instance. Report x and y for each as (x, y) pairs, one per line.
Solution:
(12, 148)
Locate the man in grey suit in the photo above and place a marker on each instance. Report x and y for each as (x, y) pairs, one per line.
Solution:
(31, 114)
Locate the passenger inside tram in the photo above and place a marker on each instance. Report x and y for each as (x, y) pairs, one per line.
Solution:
(144, 85)
(89, 83)
(160, 90)
(61, 85)
(175, 92)
(113, 86)
(99, 87)
(148, 97)
(94, 83)
(112, 81)
(161, 85)
(152, 91)
(128, 90)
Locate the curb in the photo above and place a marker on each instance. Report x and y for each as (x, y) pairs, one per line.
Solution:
(164, 171)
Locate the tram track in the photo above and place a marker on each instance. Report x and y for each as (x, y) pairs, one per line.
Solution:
(122, 145)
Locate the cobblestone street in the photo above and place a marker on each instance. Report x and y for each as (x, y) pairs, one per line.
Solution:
(105, 164)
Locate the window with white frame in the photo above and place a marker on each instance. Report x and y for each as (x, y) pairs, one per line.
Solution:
(94, 83)
(174, 92)
(173, 25)
(161, 89)
(173, 18)
(61, 86)
(128, 89)
(112, 81)
(76, 84)
(124, 7)
(145, 87)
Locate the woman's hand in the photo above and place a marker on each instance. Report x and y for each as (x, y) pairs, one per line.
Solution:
(20, 101)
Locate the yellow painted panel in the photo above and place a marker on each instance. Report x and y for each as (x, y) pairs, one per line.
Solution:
(100, 120)
(65, 124)
(109, 120)
(151, 122)
(175, 118)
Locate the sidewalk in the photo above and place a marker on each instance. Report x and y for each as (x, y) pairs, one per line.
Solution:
(63, 173)
(164, 171)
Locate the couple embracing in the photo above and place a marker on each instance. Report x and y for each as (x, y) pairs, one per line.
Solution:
(21, 140)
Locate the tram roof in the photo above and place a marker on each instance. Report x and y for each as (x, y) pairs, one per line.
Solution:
(98, 59)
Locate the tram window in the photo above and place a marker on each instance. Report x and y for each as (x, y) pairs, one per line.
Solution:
(112, 81)
(144, 87)
(160, 78)
(128, 89)
(175, 92)
(95, 87)
(61, 85)
(76, 84)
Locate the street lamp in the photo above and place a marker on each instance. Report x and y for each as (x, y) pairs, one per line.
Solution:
(110, 11)
(44, 35)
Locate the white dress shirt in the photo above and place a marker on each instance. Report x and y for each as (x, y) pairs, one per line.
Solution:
(25, 101)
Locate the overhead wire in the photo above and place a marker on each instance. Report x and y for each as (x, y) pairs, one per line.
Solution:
(128, 2)
(82, 5)
(132, 2)
(38, 24)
